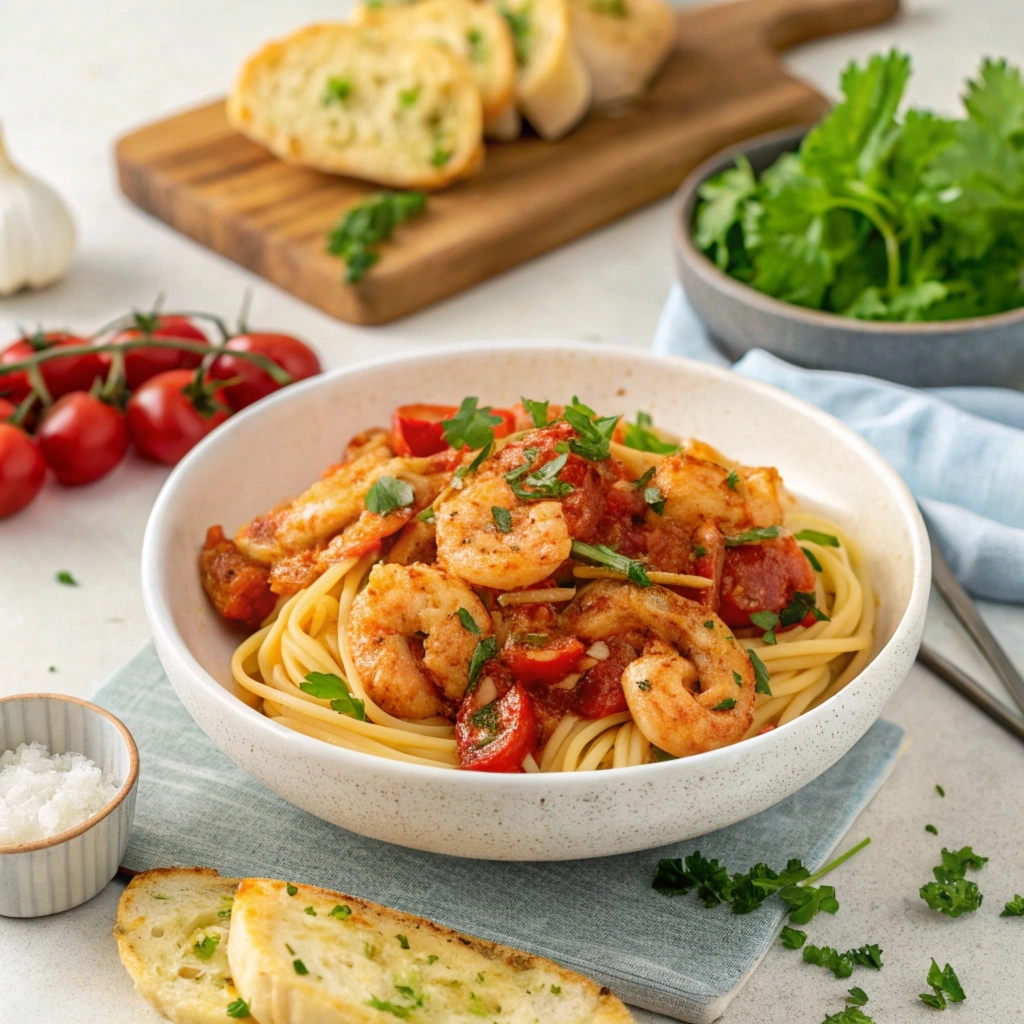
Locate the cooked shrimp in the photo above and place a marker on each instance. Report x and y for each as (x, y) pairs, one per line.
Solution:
(470, 544)
(409, 645)
(686, 669)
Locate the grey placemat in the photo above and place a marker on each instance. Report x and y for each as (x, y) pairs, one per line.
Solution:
(600, 917)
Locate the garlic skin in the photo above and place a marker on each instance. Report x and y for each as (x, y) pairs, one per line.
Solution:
(37, 235)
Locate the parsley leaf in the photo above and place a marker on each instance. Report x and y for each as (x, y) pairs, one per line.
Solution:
(543, 482)
(387, 494)
(815, 564)
(327, 686)
(766, 621)
(951, 893)
(726, 705)
(206, 947)
(611, 559)
(1015, 908)
(639, 485)
(468, 622)
(427, 515)
(851, 1015)
(342, 913)
(792, 938)
(640, 437)
(300, 967)
(66, 578)
(485, 650)
(931, 828)
(806, 901)
(595, 432)
(760, 674)
(945, 985)
(367, 224)
(800, 606)
(825, 540)
(857, 997)
(754, 536)
(239, 1009)
(732, 480)
(842, 964)
(538, 411)
(654, 498)
(470, 427)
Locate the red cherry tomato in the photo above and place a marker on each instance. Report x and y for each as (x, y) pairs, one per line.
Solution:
(495, 735)
(416, 429)
(762, 577)
(548, 663)
(7, 409)
(82, 438)
(599, 692)
(164, 421)
(61, 376)
(293, 356)
(22, 469)
(142, 363)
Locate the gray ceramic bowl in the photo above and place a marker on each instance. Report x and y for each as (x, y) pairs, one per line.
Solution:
(983, 350)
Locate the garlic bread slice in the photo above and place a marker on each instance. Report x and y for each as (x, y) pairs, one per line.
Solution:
(300, 954)
(623, 43)
(348, 99)
(172, 933)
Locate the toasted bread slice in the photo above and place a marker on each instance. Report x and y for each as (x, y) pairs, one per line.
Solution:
(351, 100)
(172, 933)
(623, 43)
(553, 85)
(322, 956)
(475, 32)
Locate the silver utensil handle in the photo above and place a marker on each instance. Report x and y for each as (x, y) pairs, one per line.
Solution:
(963, 608)
(975, 693)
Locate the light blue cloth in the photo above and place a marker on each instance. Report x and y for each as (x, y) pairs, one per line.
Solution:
(600, 917)
(960, 450)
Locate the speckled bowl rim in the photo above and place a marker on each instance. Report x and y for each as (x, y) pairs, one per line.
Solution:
(716, 278)
(129, 783)
(170, 641)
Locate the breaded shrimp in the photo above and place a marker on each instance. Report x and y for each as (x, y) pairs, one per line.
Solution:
(410, 647)
(692, 688)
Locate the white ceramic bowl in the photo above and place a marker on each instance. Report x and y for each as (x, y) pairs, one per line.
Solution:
(276, 448)
(55, 874)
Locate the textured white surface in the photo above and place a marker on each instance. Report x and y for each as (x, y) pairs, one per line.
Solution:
(73, 76)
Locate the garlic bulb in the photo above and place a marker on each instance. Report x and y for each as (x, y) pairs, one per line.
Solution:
(37, 236)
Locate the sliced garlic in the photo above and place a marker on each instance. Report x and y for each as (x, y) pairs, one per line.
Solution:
(37, 235)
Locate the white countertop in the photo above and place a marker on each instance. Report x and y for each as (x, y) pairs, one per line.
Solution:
(72, 78)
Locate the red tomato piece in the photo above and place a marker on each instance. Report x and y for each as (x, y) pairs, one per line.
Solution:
(142, 363)
(548, 663)
(164, 421)
(293, 356)
(762, 577)
(82, 438)
(22, 469)
(495, 736)
(600, 692)
(7, 409)
(416, 429)
(61, 376)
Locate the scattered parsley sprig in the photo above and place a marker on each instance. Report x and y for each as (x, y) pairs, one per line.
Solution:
(328, 686)
(367, 225)
(945, 986)
(610, 558)
(951, 893)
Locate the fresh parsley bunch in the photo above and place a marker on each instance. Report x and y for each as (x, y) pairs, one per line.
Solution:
(883, 217)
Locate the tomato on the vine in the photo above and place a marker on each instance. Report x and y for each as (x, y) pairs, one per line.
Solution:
(170, 414)
(82, 438)
(7, 409)
(142, 363)
(22, 469)
(295, 357)
(61, 376)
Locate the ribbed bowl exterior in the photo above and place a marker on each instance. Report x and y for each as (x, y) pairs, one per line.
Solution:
(59, 873)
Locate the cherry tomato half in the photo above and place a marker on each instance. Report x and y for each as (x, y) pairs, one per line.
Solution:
(497, 735)
(82, 438)
(142, 363)
(293, 356)
(7, 409)
(164, 421)
(22, 469)
(61, 376)
(762, 577)
(548, 663)
(416, 429)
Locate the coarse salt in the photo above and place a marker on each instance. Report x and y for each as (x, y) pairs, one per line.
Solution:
(42, 794)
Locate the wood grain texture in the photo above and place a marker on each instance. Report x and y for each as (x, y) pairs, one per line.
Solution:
(723, 83)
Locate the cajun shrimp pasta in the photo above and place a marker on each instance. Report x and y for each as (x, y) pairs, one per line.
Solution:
(539, 589)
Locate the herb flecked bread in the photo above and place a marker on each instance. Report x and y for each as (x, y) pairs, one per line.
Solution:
(623, 43)
(357, 101)
(301, 954)
(172, 934)
(475, 32)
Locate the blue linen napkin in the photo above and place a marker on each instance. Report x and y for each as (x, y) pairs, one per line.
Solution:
(599, 917)
(959, 450)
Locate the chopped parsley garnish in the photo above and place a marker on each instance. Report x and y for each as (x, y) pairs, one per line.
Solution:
(300, 967)
(602, 554)
(433, 958)
(737, 678)
(468, 622)
(1015, 908)
(792, 938)
(645, 684)
(543, 482)
(939, 790)
(427, 515)
(440, 156)
(639, 485)
(710, 624)
(815, 564)
(206, 947)
(485, 650)
(408, 97)
(800, 606)
(640, 437)
(806, 901)
(825, 540)
(161, 896)
(475, 40)
(842, 964)
(519, 26)
(239, 1009)
(766, 621)
(291, 889)
(851, 1015)
(931, 828)
(66, 578)
(337, 90)
(613, 8)
(369, 223)
(951, 893)
(535, 639)
(387, 494)
(538, 411)
(310, 911)
(556, 990)
(402, 941)
(726, 705)
(342, 913)
(857, 997)
(700, 551)
(732, 480)
(502, 518)
(654, 498)
(945, 986)
(760, 674)
(753, 536)
(328, 686)
(595, 432)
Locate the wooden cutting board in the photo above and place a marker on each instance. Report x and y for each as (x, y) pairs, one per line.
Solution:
(722, 84)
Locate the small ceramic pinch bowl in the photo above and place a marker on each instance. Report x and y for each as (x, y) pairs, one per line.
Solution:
(981, 350)
(58, 873)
